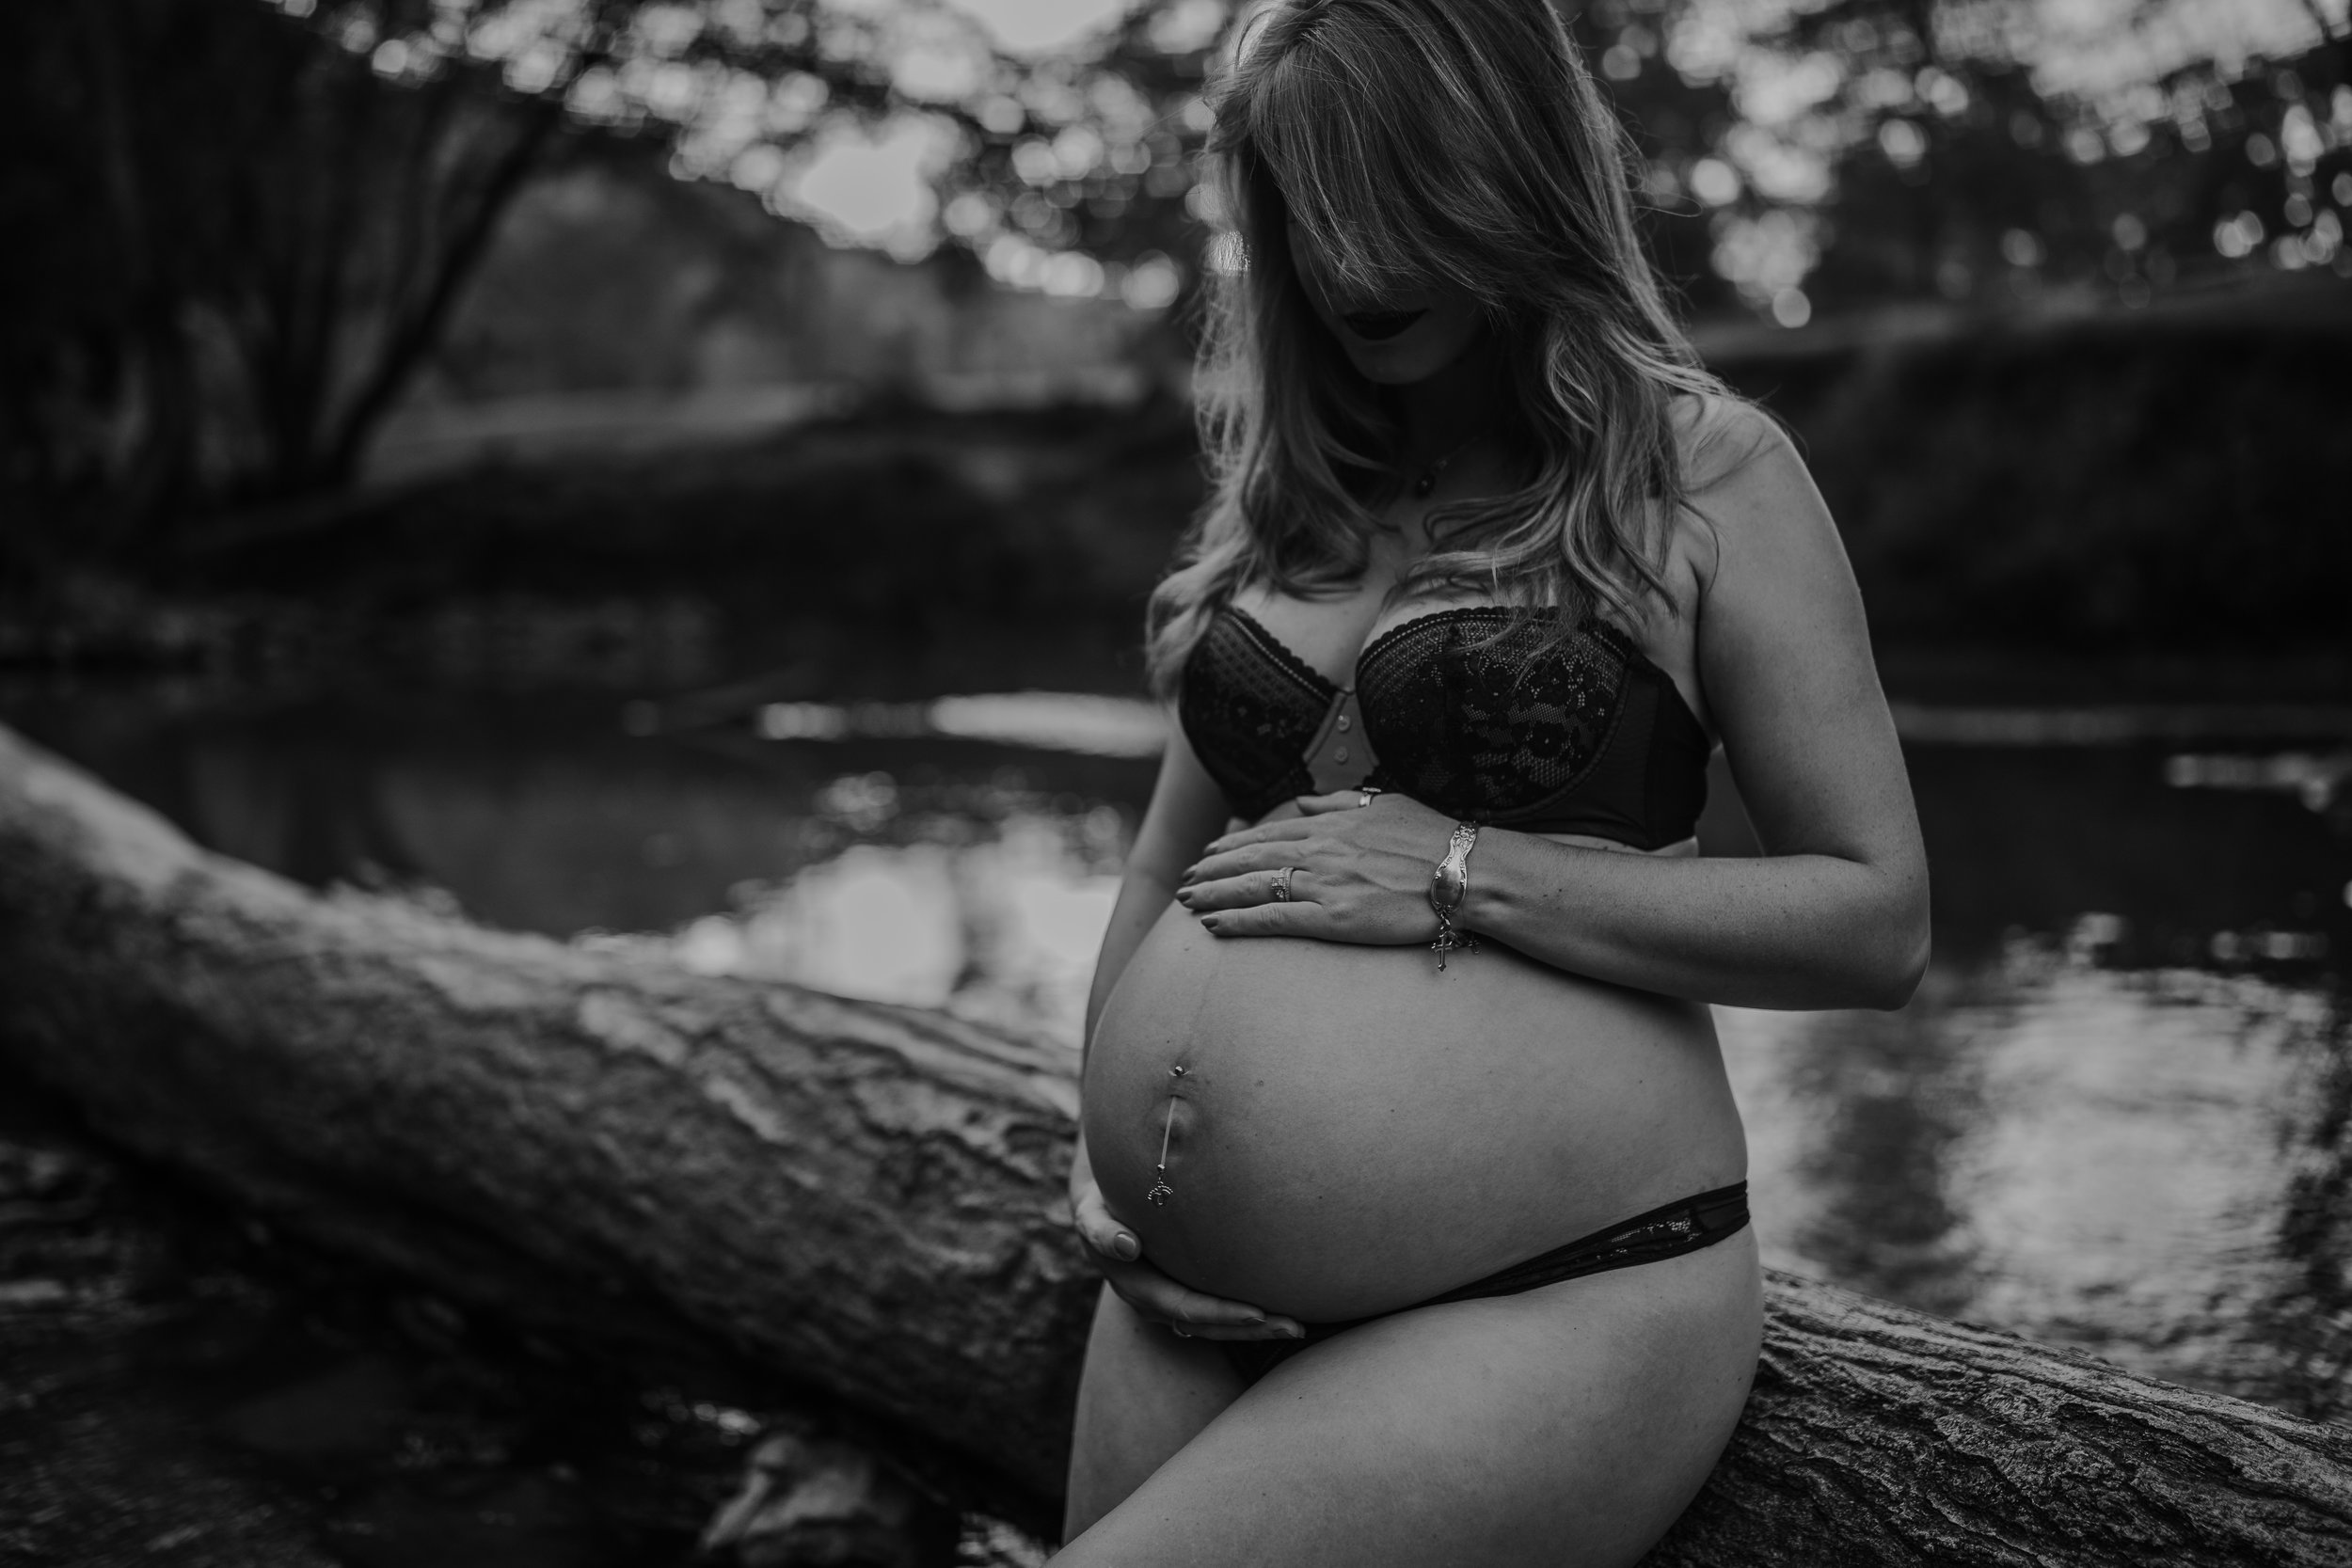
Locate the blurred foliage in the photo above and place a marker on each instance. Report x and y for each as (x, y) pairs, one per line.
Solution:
(2172, 484)
(1088, 178)
(1795, 153)
(1050, 525)
(2176, 483)
(1983, 152)
(233, 242)
(241, 225)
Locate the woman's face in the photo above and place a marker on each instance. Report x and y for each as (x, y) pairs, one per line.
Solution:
(1395, 339)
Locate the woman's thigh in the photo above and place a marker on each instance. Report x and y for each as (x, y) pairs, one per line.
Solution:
(1564, 1426)
(1144, 1395)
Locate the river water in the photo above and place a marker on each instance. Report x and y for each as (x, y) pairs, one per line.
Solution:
(2115, 1115)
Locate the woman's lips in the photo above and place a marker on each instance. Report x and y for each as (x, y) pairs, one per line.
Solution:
(1378, 325)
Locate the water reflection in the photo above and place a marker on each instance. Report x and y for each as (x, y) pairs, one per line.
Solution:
(2027, 839)
(998, 921)
(2145, 1163)
(2309, 1319)
(1856, 1117)
(1049, 721)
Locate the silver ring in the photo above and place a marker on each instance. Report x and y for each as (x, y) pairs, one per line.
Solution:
(1282, 884)
(1364, 796)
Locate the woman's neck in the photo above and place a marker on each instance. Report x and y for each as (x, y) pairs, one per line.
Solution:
(1440, 414)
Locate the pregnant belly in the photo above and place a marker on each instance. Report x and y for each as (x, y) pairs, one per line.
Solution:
(1352, 1130)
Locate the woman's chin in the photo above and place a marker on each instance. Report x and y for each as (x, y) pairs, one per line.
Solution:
(1395, 364)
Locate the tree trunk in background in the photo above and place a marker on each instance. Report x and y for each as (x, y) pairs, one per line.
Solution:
(239, 238)
(866, 1199)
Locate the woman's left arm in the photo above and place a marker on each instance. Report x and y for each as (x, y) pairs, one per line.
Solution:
(1835, 914)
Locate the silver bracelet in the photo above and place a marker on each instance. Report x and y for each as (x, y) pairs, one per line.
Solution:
(1448, 886)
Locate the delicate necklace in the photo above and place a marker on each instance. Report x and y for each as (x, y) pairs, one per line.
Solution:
(1429, 476)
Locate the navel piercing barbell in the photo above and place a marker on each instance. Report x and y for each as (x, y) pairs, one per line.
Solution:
(1161, 1192)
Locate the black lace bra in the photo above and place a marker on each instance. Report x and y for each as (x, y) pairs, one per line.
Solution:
(1464, 710)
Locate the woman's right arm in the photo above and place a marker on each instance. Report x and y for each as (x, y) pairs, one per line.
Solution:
(1187, 810)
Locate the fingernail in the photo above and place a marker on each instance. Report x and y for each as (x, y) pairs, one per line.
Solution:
(1126, 1247)
(1294, 1332)
(1208, 921)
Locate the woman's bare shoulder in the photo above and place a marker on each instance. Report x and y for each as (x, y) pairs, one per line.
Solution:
(1720, 438)
(1745, 488)
(1716, 439)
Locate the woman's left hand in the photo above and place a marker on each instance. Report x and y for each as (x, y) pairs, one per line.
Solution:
(1359, 872)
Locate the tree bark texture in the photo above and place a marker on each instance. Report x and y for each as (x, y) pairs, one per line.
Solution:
(858, 1195)
(868, 1199)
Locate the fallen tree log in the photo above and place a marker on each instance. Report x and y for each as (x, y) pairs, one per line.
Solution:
(857, 1194)
(867, 1200)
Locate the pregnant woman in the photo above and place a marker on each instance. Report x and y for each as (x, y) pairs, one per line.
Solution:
(1407, 1150)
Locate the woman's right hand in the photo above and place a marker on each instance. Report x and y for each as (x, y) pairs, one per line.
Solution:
(1156, 1297)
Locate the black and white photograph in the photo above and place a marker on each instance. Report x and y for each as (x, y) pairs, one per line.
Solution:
(1176, 784)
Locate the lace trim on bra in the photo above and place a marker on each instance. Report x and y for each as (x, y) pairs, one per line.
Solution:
(1291, 665)
(1250, 707)
(1317, 682)
(1593, 626)
(1519, 727)
(1500, 727)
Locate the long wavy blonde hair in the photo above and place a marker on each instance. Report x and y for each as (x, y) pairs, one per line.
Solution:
(1421, 142)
